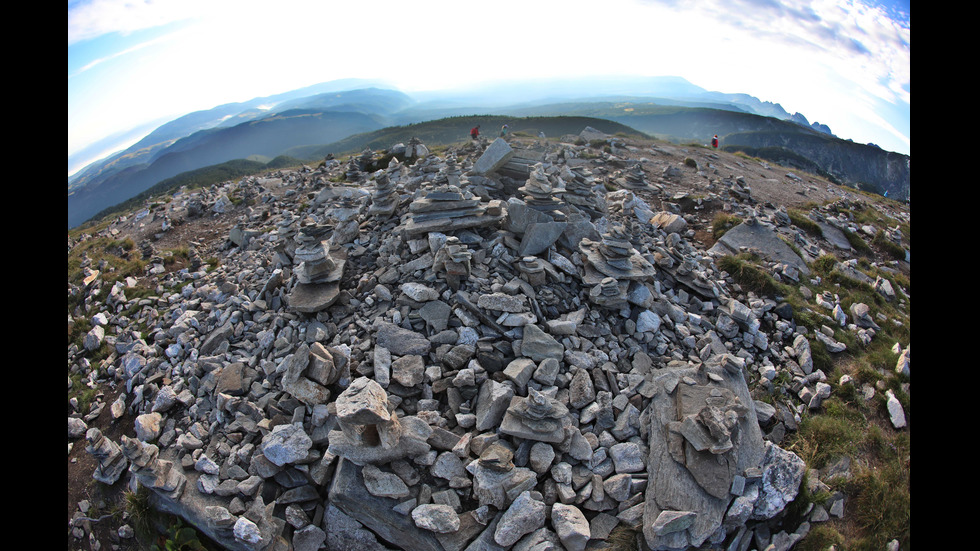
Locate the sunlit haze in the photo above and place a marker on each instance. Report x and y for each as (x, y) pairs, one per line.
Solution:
(136, 64)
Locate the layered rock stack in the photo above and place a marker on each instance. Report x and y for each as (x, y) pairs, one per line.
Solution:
(539, 191)
(633, 178)
(578, 190)
(447, 208)
(109, 456)
(318, 272)
(151, 471)
(385, 198)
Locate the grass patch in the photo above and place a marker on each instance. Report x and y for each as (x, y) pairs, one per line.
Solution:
(820, 538)
(858, 244)
(890, 248)
(749, 276)
(82, 393)
(882, 508)
(623, 538)
(822, 439)
(141, 513)
(802, 221)
(121, 259)
(722, 223)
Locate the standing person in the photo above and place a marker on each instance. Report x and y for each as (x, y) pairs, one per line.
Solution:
(475, 132)
(503, 131)
(714, 142)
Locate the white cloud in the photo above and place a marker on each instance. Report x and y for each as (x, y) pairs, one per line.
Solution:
(89, 19)
(801, 54)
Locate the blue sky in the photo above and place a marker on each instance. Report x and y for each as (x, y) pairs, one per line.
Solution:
(135, 64)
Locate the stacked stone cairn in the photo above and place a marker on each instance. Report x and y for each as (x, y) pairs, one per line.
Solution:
(453, 260)
(353, 171)
(578, 190)
(385, 199)
(416, 149)
(151, 471)
(446, 208)
(109, 456)
(318, 273)
(633, 178)
(539, 191)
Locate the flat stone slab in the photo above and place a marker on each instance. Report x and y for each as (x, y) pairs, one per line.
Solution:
(495, 156)
(349, 494)
(448, 225)
(762, 240)
(671, 485)
(314, 297)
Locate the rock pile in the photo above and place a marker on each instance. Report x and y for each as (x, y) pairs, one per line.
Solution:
(457, 373)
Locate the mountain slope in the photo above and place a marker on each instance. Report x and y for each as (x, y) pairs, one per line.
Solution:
(267, 137)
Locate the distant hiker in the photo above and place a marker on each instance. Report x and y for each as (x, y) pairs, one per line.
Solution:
(475, 132)
(503, 131)
(714, 142)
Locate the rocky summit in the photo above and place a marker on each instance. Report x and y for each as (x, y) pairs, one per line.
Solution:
(520, 344)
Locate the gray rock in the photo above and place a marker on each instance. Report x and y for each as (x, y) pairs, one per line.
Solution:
(492, 403)
(539, 345)
(286, 444)
(495, 156)
(761, 239)
(437, 518)
(419, 292)
(782, 472)
(308, 538)
(408, 370)
(896, 412)
(540, 236)
(383, 484)
(627, 457)
(402, 342)
(503, 302)
(571, 525)
(669, 522)
(580, 390)
(76, 428)
(525, 515)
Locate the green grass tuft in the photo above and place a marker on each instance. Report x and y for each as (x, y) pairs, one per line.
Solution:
(722, 223)
(749, 276)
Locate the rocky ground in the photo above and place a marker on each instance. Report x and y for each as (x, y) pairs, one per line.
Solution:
(212, 361)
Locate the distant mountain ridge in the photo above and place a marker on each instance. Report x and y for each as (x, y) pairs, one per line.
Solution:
(325, 113)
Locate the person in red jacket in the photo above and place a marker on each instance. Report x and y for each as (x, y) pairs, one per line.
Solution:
(475, 132)
(714, 142)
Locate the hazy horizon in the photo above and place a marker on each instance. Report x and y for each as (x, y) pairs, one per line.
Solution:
(135, 64)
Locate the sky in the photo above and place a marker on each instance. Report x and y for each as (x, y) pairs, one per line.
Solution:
(136, 64)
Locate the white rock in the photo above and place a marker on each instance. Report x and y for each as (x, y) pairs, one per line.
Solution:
(895, 410)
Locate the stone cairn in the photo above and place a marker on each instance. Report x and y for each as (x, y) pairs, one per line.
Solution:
(318, 273)
(539, 191)
(369, 433)
(633, 178)
(536, 417)
(446, 208)
(111, 461)
(416, 149)
(151, 471)
(353, 171)
(578, 190)
(453, 260)
(385, 199)
(313, 255)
